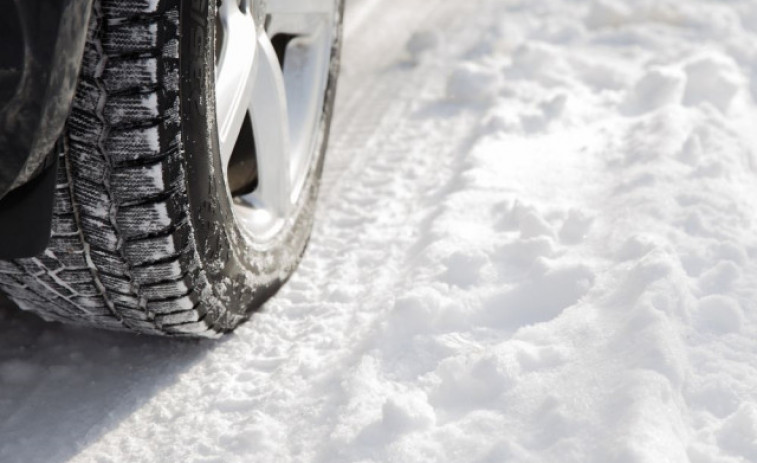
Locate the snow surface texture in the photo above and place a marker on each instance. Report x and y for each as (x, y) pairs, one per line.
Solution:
(536, 243)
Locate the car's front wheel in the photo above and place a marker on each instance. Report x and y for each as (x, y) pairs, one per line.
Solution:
(190, 164)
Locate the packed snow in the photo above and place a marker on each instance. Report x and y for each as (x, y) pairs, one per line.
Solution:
(536, 242)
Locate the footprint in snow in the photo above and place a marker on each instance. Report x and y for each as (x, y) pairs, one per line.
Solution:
(717, 394)
(738, 435)
(471, 381)
(719, 314)
(542, 297)
(660, 86)
(576, 227)
(720, 278)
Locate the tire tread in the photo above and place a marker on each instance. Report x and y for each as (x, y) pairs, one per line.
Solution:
(121, 208)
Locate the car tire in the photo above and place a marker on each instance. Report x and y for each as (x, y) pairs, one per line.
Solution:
(146, 235)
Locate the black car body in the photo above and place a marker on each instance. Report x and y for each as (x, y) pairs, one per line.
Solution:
(41, 46)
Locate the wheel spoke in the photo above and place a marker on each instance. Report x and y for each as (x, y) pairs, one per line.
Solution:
(234, 76)
(270, 125)
(305, 82)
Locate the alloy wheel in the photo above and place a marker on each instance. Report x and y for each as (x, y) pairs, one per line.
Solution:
(272, 65)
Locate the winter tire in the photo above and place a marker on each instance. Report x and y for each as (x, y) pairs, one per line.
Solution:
(189, 166)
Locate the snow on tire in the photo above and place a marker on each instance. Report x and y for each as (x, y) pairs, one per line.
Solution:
(144, 238)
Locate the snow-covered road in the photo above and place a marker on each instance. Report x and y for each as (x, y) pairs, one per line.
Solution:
(536, 242)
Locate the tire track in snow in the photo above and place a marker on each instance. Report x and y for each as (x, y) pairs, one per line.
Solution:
(381, 167)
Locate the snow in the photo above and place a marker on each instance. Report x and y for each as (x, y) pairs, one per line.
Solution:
(535, 243)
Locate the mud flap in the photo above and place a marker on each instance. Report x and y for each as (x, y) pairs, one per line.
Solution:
(26, 215)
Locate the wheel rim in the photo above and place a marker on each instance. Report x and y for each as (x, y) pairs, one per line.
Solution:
(272, 65)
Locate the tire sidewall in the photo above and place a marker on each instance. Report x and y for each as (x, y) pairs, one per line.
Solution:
(234, 276)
